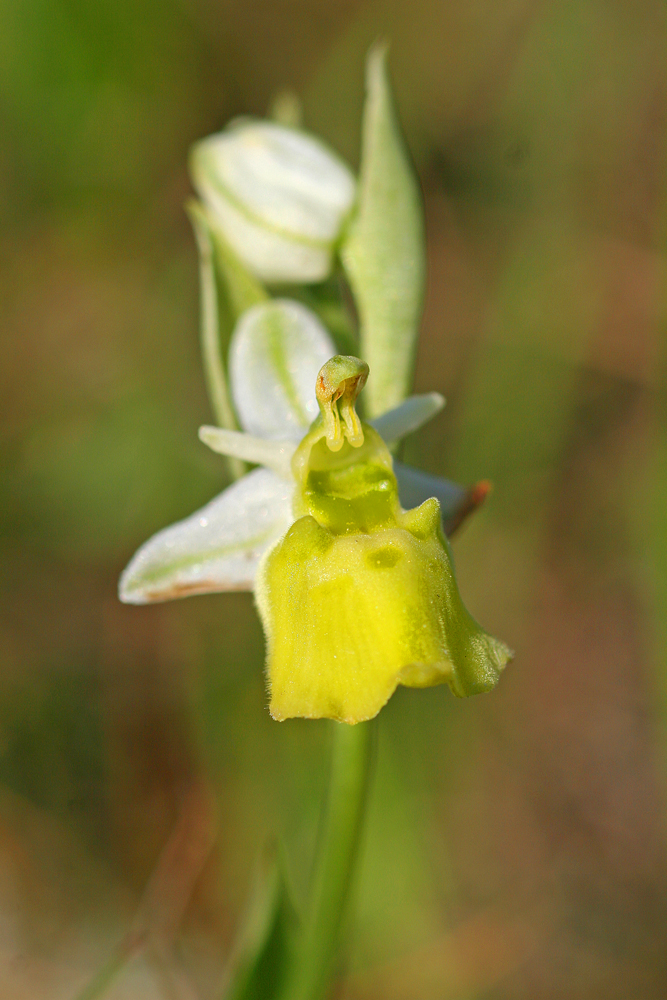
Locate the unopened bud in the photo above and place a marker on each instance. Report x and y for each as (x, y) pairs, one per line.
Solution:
(279, 197)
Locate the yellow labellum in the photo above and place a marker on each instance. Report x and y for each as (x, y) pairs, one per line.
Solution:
(360, 596)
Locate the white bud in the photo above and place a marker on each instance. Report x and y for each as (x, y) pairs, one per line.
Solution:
(279, 196)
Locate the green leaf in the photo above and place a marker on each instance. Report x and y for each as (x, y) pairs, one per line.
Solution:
(383, 254)
(261, 956)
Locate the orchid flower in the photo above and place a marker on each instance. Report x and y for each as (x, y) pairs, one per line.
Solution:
(356, 594)
(276, 351)
(360, 595)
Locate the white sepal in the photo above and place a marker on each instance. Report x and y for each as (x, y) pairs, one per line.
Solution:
(215, 549)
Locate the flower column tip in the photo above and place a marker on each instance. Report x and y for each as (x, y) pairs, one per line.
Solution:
(339, 382)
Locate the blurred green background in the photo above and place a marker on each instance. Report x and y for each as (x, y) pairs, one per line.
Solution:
(516, 842)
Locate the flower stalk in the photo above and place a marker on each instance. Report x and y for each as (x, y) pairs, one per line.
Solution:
(314, 958)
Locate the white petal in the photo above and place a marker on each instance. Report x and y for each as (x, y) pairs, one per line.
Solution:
(414, 487)
(275, 455)
(215, 549)
(276, 351)
(409, 416)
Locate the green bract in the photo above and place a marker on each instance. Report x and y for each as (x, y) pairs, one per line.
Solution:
(384, 253)
(360, 596)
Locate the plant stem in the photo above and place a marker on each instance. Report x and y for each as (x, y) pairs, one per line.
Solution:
(316, 952)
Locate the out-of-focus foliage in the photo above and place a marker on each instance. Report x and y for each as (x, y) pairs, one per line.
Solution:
(516, 844)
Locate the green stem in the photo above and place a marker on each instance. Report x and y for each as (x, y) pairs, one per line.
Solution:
(315, 955)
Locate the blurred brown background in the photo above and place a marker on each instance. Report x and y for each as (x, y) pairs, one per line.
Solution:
(516, 843)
